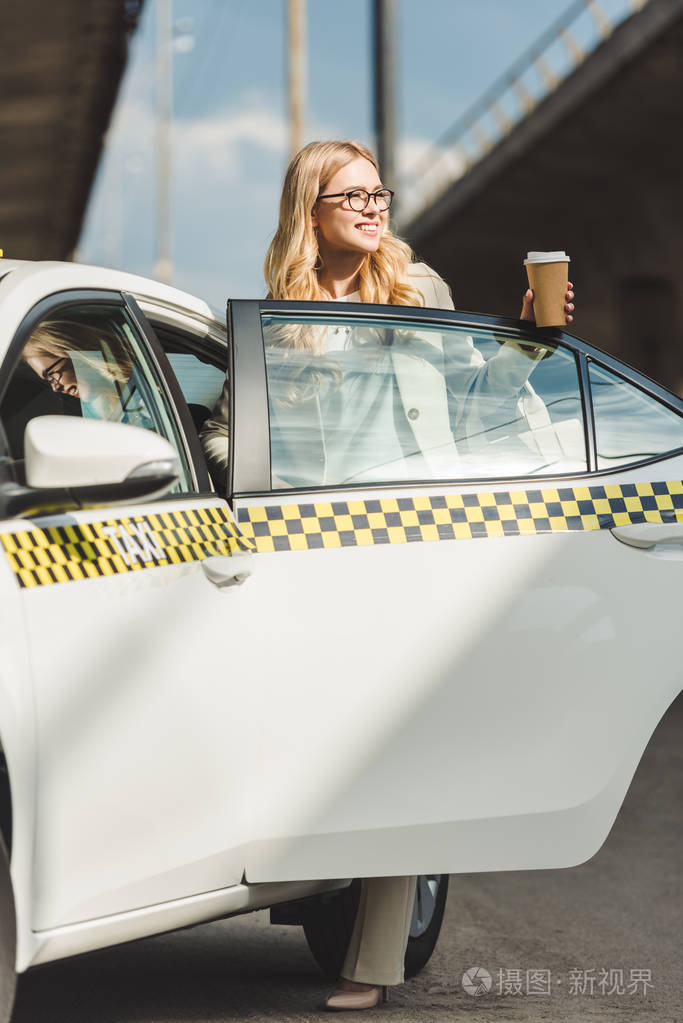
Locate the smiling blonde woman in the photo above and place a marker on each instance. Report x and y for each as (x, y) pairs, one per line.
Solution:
(333, 242)
(300, 264)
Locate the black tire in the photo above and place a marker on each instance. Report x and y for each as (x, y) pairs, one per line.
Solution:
(430, 903)
(8, 939)
(328, 924)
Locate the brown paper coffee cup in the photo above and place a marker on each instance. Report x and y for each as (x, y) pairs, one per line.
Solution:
(548, 273)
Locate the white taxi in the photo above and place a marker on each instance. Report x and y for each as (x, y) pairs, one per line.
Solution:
(407, 607)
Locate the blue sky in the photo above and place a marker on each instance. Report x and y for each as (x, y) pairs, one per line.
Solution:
(230, 145)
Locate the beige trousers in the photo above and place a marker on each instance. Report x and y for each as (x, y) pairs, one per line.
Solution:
(380, 934)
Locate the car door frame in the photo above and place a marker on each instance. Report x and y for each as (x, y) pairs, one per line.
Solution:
(174, 394)
(192, 452)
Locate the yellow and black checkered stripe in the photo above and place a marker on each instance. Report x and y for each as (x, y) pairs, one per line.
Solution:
(59, 554)
(329, 524)
(56, 554)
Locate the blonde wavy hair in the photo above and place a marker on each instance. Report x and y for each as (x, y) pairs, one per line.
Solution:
(60, 339)
(293, 260)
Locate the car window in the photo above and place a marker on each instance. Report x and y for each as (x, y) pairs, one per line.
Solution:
(366, 402)
(199, 364)
(87, 360)
(200, 382)
(630, 426)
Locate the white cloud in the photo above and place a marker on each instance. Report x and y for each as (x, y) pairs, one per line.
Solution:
(216, 142)
(213, 140)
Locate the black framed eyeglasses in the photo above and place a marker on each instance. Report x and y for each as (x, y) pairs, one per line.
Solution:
(359, 199)
(53, 376)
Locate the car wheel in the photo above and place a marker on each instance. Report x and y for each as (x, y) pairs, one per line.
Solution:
(8, 938)
(328, 924)
(425, 926)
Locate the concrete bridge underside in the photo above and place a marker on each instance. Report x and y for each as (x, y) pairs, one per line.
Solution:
(596, 170)
(60, 68)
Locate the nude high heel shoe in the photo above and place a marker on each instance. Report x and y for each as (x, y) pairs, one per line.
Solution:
(343, 999)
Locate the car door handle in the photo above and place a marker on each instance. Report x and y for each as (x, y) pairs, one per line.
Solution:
(222, 570)
(646, 534)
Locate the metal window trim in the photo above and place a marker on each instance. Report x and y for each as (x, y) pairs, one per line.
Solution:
(194, 456)
(463, 483)
(588, 415)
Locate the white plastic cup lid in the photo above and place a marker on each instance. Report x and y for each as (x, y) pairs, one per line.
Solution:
(546, 257)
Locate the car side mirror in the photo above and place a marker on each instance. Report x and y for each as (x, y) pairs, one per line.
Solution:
(73, 463)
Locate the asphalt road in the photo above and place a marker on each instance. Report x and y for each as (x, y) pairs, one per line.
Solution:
(622, 911)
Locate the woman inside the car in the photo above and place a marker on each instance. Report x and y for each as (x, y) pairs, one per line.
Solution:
(90, 364)
(333, 242)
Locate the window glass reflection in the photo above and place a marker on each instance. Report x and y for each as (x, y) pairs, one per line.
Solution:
(380, 401)
(87, 360)
(629, 425)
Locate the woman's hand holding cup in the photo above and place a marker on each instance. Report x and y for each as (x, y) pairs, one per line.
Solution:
(542, 303)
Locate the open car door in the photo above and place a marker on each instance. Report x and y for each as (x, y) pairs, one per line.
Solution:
(454, 644)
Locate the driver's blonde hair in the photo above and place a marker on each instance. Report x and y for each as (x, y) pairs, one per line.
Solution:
(62, 339)
(293, 260)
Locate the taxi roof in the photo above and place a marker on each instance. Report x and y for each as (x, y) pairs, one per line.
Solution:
(25, 283)
(63, 275)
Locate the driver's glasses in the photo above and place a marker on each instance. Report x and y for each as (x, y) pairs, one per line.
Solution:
(53, 374)
(358, 199)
